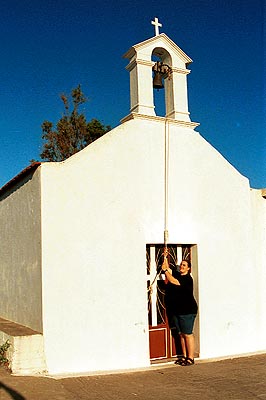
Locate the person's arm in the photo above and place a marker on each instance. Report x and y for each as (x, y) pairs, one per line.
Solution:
(168, 272)
(169, 276)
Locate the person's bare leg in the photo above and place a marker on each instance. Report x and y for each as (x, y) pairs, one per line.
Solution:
(190, 345)
(183, 344)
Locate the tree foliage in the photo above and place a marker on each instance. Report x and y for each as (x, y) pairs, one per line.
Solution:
(72, 132)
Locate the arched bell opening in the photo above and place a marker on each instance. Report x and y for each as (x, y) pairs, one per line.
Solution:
(161, 71)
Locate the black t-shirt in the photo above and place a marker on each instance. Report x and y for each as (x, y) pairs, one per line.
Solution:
(180, 299)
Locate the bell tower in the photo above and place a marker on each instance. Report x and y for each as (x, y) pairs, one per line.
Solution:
(174, 64)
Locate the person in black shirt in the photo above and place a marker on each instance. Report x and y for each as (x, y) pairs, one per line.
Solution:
(182, 308)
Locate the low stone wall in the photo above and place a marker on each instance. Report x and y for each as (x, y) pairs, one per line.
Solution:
(26, 353)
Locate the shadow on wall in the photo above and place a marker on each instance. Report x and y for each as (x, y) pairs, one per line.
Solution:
(13, 393)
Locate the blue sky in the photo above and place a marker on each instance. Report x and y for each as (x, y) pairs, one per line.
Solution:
(49, 47)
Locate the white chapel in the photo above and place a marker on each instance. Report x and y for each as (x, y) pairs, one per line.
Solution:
(81, 240)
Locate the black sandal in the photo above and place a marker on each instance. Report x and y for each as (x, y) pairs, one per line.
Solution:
(187, 362)
(180, 360)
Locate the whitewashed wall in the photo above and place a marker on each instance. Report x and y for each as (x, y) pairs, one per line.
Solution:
(20, 253)
(101, 207)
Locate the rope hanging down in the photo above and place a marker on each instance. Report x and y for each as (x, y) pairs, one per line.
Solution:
(166, 179)
(166, 187)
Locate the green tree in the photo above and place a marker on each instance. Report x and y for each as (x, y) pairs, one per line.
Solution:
(72, 132)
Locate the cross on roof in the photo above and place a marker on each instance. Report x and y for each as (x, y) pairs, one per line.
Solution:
(157, 24)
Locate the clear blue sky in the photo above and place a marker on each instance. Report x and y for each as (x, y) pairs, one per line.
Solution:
(49, 47)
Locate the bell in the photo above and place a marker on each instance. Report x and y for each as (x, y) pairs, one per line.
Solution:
(158, 80)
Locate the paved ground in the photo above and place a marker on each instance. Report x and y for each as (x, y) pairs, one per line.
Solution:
(238, 379)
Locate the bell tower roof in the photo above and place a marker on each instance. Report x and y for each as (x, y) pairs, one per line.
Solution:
(163, 41)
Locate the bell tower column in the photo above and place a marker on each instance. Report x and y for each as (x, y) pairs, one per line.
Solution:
(141, 90)
(176, 97)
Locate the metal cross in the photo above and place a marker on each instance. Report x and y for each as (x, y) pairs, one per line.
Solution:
(157, 25)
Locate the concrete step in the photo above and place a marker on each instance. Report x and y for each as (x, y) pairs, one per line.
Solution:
(26, 351)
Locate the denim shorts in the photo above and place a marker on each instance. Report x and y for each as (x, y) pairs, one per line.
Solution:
(183, 323)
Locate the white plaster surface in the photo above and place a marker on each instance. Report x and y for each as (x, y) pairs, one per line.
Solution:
(101, 207)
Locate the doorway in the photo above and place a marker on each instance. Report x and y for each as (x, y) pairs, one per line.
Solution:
(162, 346)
